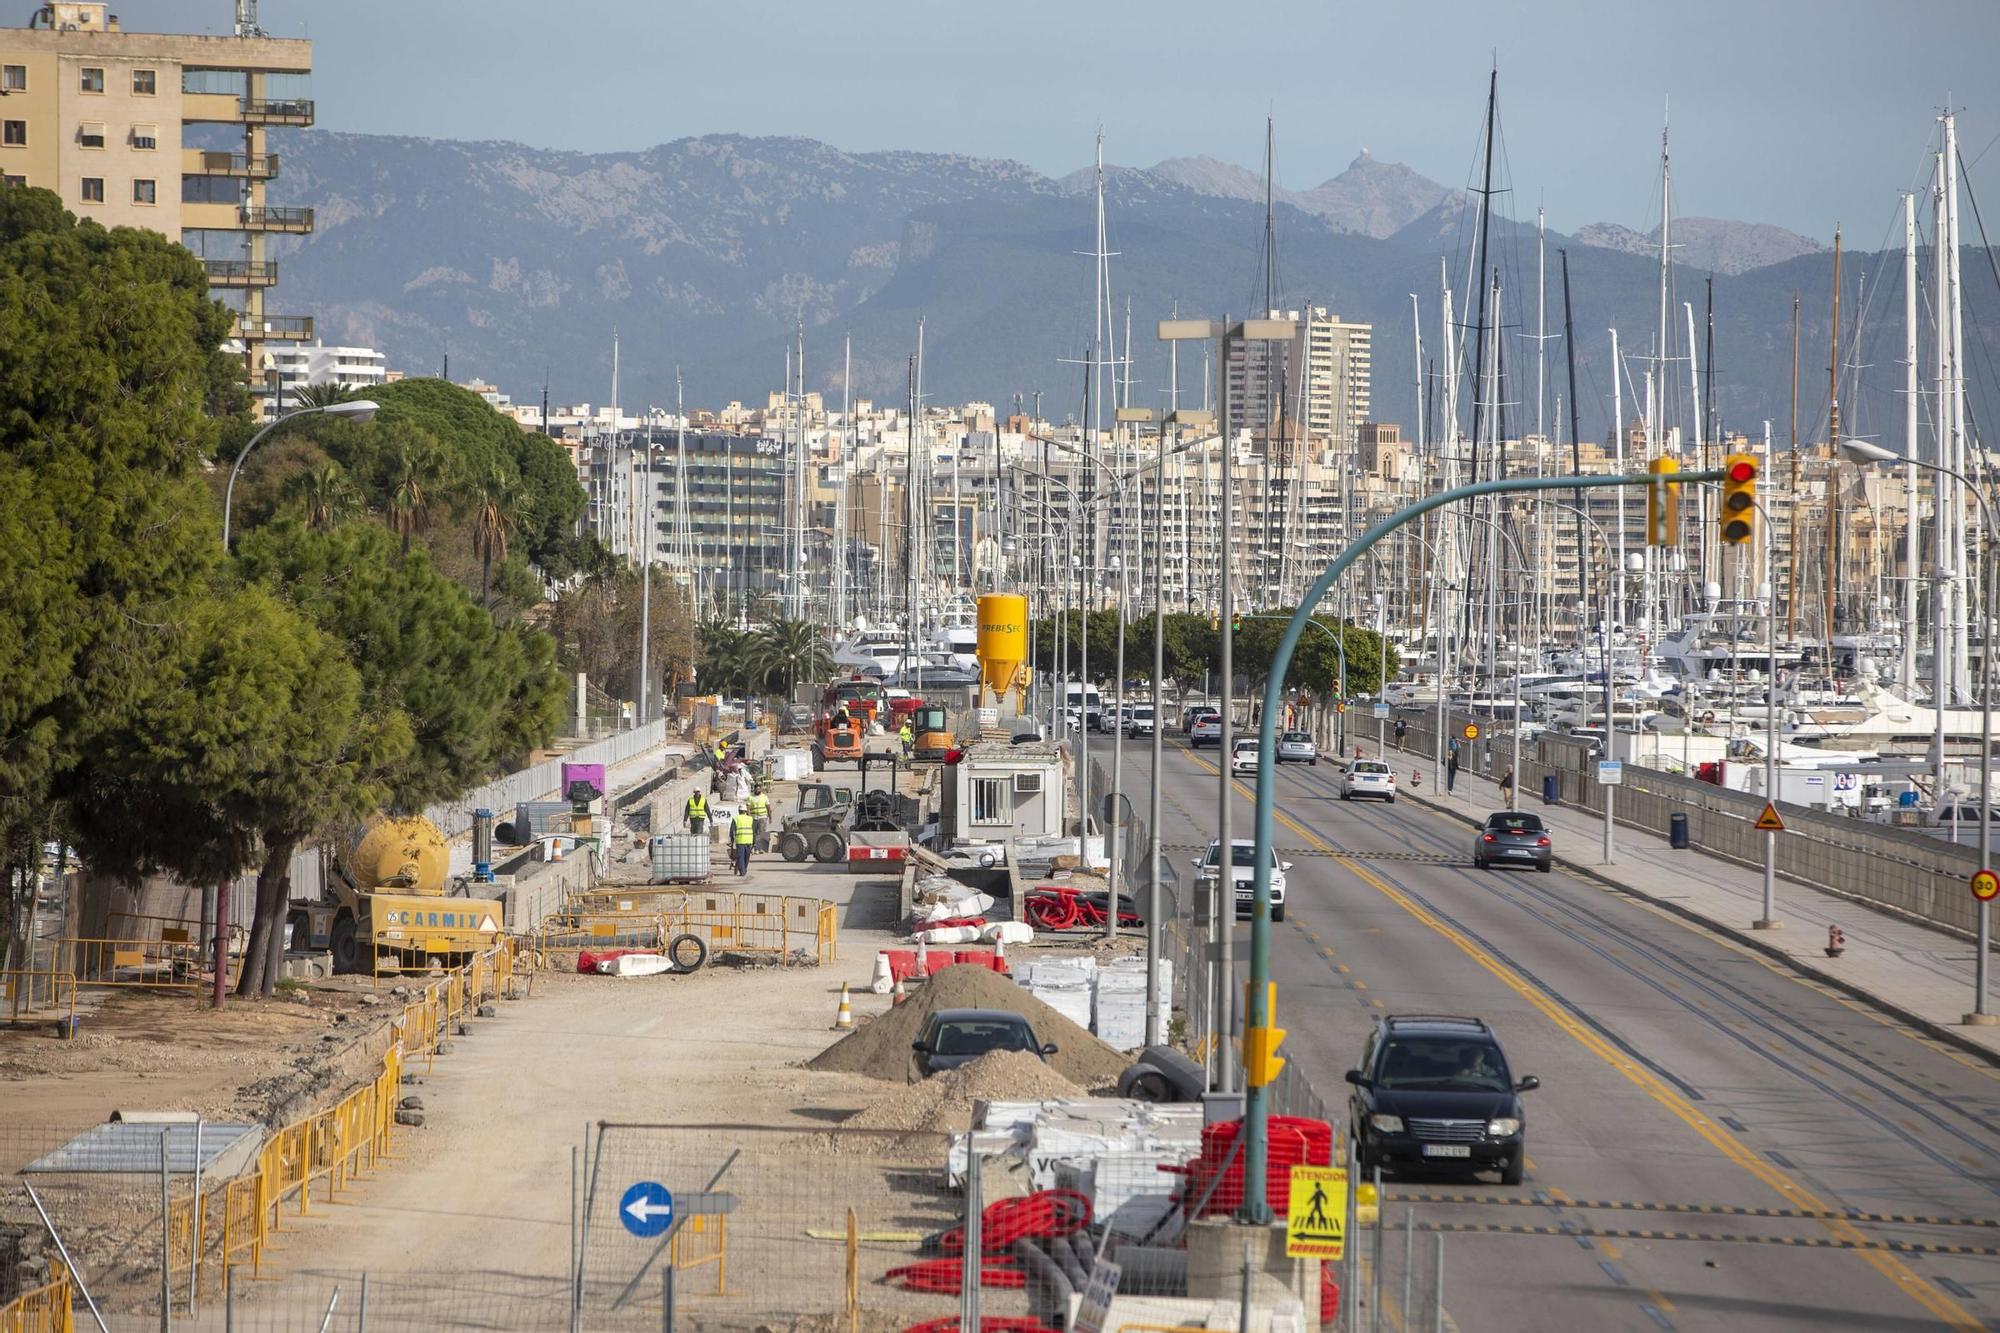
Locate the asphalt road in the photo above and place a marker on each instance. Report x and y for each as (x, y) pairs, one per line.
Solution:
(1677, 1068)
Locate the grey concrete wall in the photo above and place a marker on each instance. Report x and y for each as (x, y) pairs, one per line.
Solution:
(1887, 867)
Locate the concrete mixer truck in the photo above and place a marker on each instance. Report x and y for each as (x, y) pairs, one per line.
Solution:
(386, 905)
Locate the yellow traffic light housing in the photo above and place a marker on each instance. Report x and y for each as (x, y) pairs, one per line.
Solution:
(1739, 498)
(1261, 1061)
(1663, 505)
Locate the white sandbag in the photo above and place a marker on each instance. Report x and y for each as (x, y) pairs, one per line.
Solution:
(949, 935)
(1008, 932)
(977, 905)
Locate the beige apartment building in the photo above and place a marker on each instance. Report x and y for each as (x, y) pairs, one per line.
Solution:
(98, 115)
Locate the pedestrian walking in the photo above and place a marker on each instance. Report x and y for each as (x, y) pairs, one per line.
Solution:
(759, 806)
(1402, 729)
(907, 737)
(1451, 767)
(1507, 786)
(742, 829)
(697, 813)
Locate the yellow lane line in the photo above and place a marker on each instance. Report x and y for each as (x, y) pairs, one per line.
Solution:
(1793, 1192)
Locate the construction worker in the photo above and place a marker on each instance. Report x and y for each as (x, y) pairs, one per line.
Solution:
(697, 813)
(721, 754)
(742, 829)
(907, 737)
(759, 807)
(841, 717)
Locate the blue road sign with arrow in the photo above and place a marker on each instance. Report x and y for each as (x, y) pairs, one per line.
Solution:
(647, 1209)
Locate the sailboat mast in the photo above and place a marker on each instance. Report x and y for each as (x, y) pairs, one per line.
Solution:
(1833, 464)
(1908, 677)
(1575, 457)
(840, 497)
(1792, 589)
(1618, 456)
(1655, 409)
(1479, 276)
(1954, 416)
(1541, 323)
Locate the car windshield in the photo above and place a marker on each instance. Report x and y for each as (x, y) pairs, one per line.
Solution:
(1297, 738)
(969, 1037)
(1243, 854)
(1442, 1062)
(1514, 824)
(1368, 766)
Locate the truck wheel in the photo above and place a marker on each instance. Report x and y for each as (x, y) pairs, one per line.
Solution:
(301, 932)
(345, 954)
(792, 847)
(829, 849)
(687, 952)
(1152, 1088)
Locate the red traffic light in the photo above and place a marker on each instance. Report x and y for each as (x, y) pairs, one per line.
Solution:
(1742, 470)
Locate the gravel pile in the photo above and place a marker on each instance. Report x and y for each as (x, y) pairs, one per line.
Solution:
(881, 1047)
(943, 1105)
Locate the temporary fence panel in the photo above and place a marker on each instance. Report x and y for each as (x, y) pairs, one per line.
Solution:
(29, 995)
(45, 1309)
(168, 965)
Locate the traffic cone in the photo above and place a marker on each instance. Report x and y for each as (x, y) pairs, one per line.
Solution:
(898, 995)
(881, 983)
(999, 955)
(845, 1017)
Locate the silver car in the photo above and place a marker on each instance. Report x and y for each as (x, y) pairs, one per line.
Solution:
(1298, 747)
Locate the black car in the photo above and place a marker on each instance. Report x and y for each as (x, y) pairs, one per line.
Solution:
(954, 1037)
(1437, 1091)
(1511, 838)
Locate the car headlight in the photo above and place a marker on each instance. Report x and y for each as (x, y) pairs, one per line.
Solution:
(1504, 1128)
(1386, 1124)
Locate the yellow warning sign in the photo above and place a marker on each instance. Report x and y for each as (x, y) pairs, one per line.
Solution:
(1768, 822)
(1316, 1223)
(1470, 731)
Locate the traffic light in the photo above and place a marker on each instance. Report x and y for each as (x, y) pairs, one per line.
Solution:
(1261, 1061)
(1235, 622)
(1739, 498)
(1663, 505)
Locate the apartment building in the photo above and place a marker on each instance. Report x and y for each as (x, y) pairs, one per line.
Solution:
(102, 117)
(292, 367)
(1313, 391)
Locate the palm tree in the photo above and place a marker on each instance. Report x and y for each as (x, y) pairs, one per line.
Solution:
(498, 508)
(320, 395)
(786, 650)
(414, 475)
(725, 657)
(327, 495)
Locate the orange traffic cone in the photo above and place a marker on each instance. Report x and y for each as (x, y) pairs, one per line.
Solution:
(844, 1018)
(898, 995)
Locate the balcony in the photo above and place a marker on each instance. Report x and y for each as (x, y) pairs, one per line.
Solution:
(296, 221)
(214, 108)
(240, 272)
(206, 215)
(274, 328)
(244, 166)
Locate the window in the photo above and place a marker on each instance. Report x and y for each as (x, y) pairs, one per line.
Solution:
(145, 192)
(144, 83)
(13, 78)
(16, 180)
(14, 133)
(90, 134)
(992, 801)
(91, 80)
(93, 189)
(145, 138)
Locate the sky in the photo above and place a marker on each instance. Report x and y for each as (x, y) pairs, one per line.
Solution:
(1802, 113)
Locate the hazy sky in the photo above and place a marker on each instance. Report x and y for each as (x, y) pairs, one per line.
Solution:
(1798, 112)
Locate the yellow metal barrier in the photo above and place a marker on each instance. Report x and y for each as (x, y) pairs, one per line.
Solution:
(647, 916)
(46, 1309)
(169, 929)
(162, 964)
(19, 988)
(826, 933)
(703, 1239)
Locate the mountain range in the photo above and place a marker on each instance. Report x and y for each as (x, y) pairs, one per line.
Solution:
(706, 254)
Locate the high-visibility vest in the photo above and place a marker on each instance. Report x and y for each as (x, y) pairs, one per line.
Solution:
(697, 807)
(758, 806)
(721, 753)
(906, 734)
(743, 829)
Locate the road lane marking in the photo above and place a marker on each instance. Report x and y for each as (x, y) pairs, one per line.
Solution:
(1843, 1235)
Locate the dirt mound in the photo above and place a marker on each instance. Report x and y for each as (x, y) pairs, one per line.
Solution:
(881, 1048)
(943, 1105)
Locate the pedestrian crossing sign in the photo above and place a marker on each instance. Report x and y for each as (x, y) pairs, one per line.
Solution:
(1316, 1220)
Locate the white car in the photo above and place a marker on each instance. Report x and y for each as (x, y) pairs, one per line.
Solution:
(1206, 731)
(1242, 875)
(1138, 719)
(1368, 777)
(1243, 757)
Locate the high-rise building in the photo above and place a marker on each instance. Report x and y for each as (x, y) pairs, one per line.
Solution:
(99, 115)
(1314, 389)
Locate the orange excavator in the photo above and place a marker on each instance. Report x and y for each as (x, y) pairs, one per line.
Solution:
(930, 727)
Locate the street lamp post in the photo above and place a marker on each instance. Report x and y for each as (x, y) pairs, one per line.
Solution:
(1864, 454)
(359, 409)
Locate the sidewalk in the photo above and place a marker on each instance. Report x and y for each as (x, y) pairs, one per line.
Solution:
(1921, 975)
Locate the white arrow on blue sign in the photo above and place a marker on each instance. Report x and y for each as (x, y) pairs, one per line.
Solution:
(647, 1209)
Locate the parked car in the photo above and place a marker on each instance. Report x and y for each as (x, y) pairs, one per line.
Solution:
(1243, 756)
(1194, 713)
(1368, 777)
(954, 1037)
(1207, 730)
(1138, 720)
(1513, 838)
(1242, 874)
(1298, 747)
(1437, 1091)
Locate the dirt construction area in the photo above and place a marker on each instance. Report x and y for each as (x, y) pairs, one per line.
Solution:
(538, 1123)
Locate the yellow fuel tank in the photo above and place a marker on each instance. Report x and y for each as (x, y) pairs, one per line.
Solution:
(1003, 639)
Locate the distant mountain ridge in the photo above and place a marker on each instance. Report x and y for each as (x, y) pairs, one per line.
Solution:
(1708, 243)
(518, 264)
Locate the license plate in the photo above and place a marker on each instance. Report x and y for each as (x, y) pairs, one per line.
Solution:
(1519, 851)
(1447, 1150)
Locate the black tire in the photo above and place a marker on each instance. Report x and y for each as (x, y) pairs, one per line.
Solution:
(301, 926)
(1312, 763)
(1511, 1174)
(1152, 1088)
(1392, 800)
(1277, 913)
(1546, 867)
(792, 847)
(687, 952)
(1344, 795)
(342, 944)
(829, 849)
